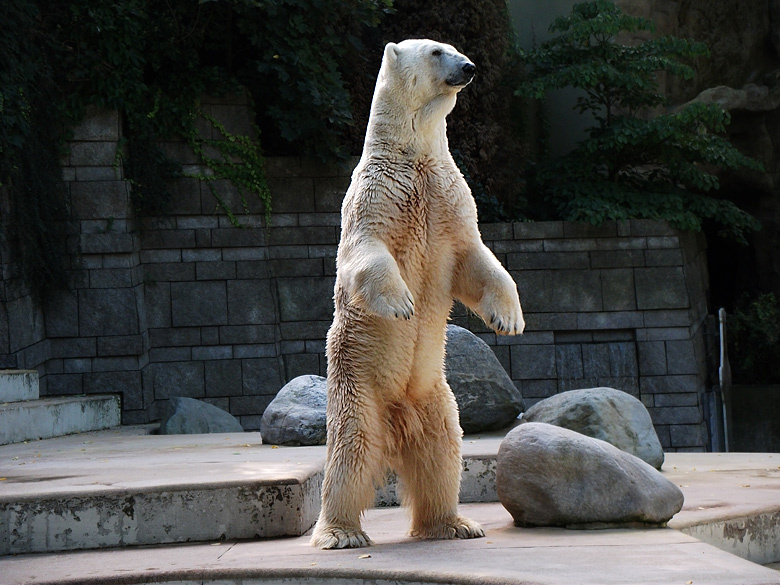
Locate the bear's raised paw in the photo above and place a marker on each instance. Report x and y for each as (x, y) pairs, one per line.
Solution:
(460, 527)
(335, 537)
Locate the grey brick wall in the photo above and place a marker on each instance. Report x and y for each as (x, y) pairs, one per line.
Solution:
(186, 304)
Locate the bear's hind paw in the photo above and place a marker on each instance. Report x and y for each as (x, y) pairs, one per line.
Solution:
(460, 527)
(335, 537)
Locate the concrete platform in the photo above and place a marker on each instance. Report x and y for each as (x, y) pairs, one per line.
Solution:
(53, 417)
(121, 487)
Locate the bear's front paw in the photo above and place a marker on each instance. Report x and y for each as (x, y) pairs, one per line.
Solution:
(460, 527)
(504, 318)
(335, 537)
(389, 305)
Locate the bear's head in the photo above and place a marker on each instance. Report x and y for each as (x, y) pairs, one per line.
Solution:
(419, 71)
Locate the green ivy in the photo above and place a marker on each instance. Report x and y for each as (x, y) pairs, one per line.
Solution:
(754, 340)
(633, 164)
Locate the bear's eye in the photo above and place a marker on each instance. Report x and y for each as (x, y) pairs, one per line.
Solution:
(436, 52)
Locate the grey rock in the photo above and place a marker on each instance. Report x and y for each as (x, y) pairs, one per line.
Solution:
(486, 396)
(603, 413)
(297, 415)
(187, 416)
(550, 476)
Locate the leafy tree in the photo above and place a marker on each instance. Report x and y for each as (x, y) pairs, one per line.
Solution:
(633, 164)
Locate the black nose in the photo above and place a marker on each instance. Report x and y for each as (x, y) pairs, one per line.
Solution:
(469, 69)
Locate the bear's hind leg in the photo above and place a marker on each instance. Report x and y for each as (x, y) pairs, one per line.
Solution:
(429, 465)
(354, 466)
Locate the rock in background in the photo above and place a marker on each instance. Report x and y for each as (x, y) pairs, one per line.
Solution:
(187, 416)
(487, 398)
(297, 415)
(606, 414)
(550, 476)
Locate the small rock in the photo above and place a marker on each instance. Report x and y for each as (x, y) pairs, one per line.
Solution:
(297, 415)
(486, 396)
(603, 413)
(187, 416)
(550, 476)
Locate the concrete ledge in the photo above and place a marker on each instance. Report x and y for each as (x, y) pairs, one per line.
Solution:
(18, 385)
(55, 417)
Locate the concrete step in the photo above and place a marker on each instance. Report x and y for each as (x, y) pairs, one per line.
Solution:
(18, 385)
(54, 417)
(127, 487)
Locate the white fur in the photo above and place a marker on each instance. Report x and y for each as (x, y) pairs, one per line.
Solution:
(409, 245)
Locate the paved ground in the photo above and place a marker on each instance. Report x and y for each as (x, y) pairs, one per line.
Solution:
(739, 494)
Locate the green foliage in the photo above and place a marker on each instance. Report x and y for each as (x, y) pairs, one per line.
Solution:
(754, 341)
(30, 175)
(632, 164)
(152, 60)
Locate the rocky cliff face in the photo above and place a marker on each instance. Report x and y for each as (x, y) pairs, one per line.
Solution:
(743, 75)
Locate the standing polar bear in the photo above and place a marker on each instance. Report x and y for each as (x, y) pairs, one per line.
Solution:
(409, 246)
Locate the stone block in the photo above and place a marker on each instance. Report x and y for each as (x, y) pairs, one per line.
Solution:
(104, 173)
(547, 260)
(496, 231)
(249, 405)
(215, 270)
(214, 352)
(247, 334)
(669, 384)
(664, 242)
(92, 153)
(533, 362)
(675, 400)
(568, 361)
(100, 200)
(652, 358)
(663, 334)
(325, 251)
(250, 302)
(128, 384)
(622, 360)
(610, 320)
(297, 267)
(617, 258)
(683, 415)
(651, 227)
(115, 364)
(301, 364)
(572, 245)
(292, 194)
(668, 318)
(596, 360)
(166, 239)
(304, 329)
(157, 304)
(252, 269)
(305, 299)
(223, 378)
(261, 376)
(500, 247)
(255, 350)
(177, 379)
(681, 357)
(618, 290)
(18, 385)
(329, 193)
(185, 197)
(110, 278)
(537, 230)
(197, 222)
(64, 384)
(202, 255)
(672, 294)
(560, 291)
(548, 321)
(209, 335)
(109, 243)
(578, 229)
(621, 244)
(244, 254)
(170, 354)
(671, 257)
(198, 304)
(686, 436)
(98, 124)
(120, 345)
(73, 347)
(109, 311)
(169, 272)
(62, 315)
(237, 238)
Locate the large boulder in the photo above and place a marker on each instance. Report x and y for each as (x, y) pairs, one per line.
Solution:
(187, 416)
(297, 415)
(487, 398)
(550, 476)
(603, 413)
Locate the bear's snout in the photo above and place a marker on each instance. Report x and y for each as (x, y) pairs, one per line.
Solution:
(464, 76)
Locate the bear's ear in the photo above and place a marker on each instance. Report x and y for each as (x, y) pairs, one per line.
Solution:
(391, 53)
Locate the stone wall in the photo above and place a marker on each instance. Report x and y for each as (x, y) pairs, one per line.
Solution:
(188, 305)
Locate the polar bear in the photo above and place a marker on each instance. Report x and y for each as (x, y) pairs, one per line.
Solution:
(409, 246)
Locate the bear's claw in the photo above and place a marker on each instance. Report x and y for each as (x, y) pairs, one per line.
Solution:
(329, 538)
(461, 527)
